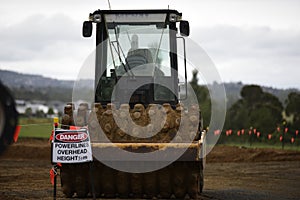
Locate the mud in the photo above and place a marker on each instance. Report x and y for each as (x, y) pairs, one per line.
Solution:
(231, 173)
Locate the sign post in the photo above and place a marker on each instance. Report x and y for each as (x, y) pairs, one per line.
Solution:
(69, 146)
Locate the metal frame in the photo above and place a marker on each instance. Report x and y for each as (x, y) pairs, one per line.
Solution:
(102, 36)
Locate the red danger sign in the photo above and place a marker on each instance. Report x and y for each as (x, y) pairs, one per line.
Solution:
(71, 146)
(72, 136)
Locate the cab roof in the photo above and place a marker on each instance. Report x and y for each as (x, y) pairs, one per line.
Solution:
(150, 11)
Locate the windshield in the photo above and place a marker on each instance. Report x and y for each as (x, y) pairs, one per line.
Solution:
(140, 45)
(141, 52)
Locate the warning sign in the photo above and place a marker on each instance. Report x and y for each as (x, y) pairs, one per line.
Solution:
(71, 146)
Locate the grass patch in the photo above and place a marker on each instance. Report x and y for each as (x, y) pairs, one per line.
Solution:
(266, 146)
(35, 127)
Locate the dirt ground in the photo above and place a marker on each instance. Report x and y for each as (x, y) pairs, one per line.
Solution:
(230, 173)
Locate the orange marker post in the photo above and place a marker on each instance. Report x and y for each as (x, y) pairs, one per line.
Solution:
(258, 134)
(227, 133)
(292, 140)
(286, 130)
(53, 171)
(281, 138)
(269, 136)
(16, 134)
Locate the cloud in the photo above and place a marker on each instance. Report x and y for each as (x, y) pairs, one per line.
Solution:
(231, 41)
(253, 54)
(49, 45)
(32, 37)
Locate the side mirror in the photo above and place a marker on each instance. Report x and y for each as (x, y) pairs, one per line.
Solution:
(87, 29)
(184, 28)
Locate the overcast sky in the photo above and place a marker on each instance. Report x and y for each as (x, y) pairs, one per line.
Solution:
(253, 41)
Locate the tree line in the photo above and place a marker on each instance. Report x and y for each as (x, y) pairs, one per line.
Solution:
(256, 109)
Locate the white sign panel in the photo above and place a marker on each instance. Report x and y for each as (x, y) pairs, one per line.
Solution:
(71, 146)
(139, 17)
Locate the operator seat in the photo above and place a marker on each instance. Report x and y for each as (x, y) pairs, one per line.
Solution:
(139, 57)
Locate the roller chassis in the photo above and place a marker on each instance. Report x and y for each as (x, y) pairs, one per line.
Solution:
(182, 178)
(136, 67)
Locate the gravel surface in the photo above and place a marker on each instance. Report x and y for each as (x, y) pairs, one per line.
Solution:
(231, 173)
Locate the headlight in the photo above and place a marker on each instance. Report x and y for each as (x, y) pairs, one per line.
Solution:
(97, 18)
(174, 18)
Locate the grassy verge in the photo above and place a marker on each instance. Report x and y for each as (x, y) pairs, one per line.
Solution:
(35, 127)
(265, 146)
(42, 127)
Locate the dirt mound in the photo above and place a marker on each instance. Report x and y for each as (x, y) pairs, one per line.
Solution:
(24, 173)
(243, 154)
(33, 148)
(29, 148)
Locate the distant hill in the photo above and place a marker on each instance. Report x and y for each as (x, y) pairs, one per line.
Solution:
(37, 87)
(18, 80)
